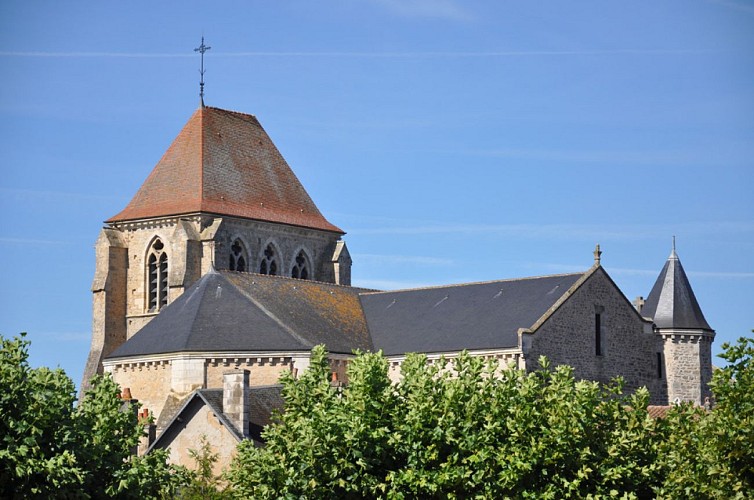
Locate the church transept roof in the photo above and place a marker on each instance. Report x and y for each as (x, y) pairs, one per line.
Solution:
(244, 312)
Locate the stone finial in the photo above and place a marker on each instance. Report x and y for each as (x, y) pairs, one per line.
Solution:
(597, 255)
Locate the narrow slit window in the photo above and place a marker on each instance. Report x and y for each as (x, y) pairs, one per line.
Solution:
(598, 334)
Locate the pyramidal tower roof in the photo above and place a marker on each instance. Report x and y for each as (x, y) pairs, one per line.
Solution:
(224, 163)
(671, 303)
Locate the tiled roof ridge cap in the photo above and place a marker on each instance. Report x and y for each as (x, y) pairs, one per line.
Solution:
(277, 276)
(457, 285)
(232, 112)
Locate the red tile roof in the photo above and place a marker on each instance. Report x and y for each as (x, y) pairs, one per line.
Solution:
(224, 163)
(658, 411)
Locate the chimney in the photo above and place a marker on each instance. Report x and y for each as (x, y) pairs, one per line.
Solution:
(639, 303)
(150, 431)
(236, 399)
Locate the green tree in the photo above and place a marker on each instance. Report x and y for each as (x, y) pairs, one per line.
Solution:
(710, 454)
(202, 483)
(451, 429)
(50, 448)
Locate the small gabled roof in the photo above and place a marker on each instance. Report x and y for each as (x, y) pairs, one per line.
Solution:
(224, 163)
(671, 303)
(469, 316)
(263, 401)
(242, 312)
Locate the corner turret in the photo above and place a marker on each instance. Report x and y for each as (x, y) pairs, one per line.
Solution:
(685, 353)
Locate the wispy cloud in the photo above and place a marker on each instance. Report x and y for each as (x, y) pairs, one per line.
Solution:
(627, 271)
(442, 9)
(549, 231)
(31, 241)
(50, 196)
(722, 275)
(591, 232)
(364, 54)
(402, 259)
(66, 336)
(679, 158)
(390, 284)
(82, 54)
(739, 6)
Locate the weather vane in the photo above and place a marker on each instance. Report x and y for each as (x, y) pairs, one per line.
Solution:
(202, 49)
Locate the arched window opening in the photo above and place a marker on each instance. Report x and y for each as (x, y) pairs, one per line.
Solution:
(237, 257)
(269, 263)
(300, 267)
(157, 276)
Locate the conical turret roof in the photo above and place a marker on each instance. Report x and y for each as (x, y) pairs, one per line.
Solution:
(224, 163)
(671, 303)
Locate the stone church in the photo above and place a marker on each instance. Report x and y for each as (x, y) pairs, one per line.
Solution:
(221, 274)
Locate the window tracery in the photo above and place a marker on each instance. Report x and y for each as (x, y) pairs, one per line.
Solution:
(157, 276)
(238, 259)
(300, 268)
(269, 262)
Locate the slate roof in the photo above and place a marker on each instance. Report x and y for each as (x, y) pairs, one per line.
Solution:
(242, 312)
(671, 303)
(224, 163)
(263, 401)
(469, 316)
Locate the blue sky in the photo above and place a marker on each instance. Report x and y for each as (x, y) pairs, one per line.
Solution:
(453, 141)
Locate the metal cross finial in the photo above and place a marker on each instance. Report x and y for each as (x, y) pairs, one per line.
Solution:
(673, 254)
(202, 49)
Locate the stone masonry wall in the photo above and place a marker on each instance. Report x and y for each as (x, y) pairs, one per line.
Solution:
(629, 347)
(149, 383)
(688, 362)
(204, 423)
(192, 244)
(263, 370)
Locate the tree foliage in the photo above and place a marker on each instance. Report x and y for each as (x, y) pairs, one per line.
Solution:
(50, 448)
(711, 454)
(452, 429)
(465, 428)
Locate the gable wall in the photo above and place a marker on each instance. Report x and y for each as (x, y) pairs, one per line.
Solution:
(629, 345)
(184, 436)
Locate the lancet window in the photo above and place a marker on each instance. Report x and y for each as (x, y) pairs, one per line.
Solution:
(300, 268)
(157, 276)
(269, 263)
(238, 259)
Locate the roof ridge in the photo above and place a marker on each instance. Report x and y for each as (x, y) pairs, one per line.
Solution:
(564, 297)
(201, 160)
(231, 112)
(290, 331)
(473, 283)
(289, 278)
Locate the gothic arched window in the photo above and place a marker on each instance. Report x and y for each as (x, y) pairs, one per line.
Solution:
(300, 267)
(237, 257)
(269, 264)
(157, 276)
